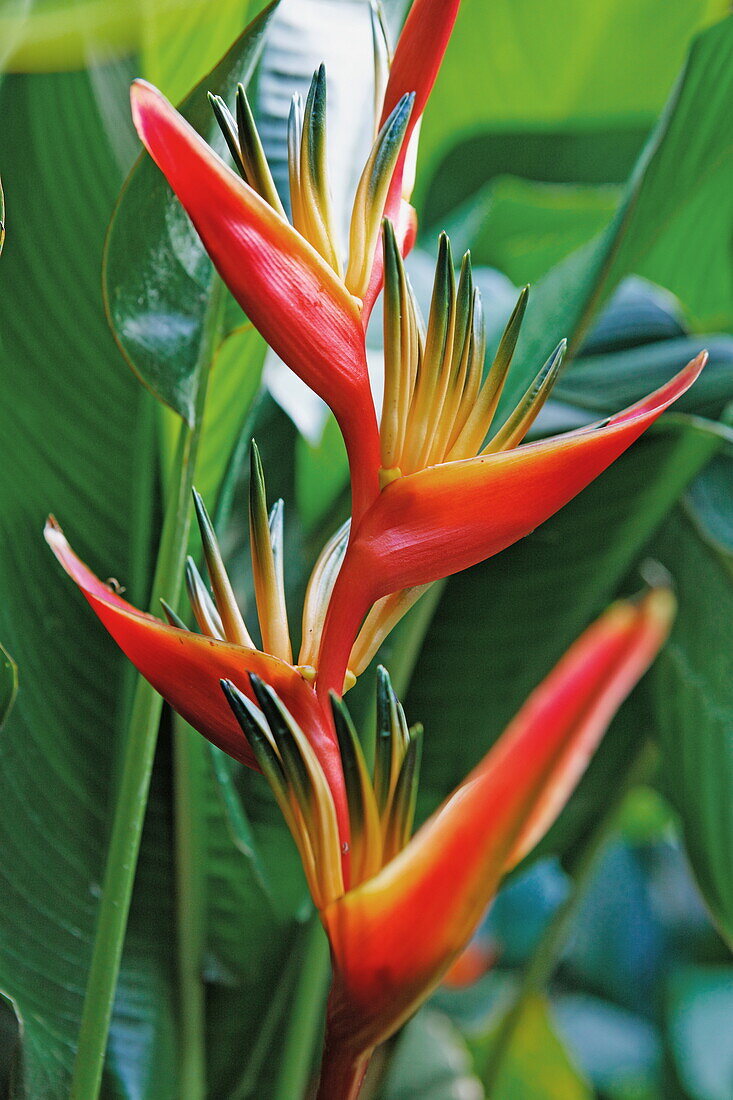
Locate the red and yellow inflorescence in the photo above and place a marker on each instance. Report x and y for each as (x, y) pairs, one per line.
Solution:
(435, 488)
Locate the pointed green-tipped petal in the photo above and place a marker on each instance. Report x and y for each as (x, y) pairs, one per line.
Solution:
(382, 57)
(295, 138)
(429, 391)
(315, 195)
(226, 603)
(293, 764)
(404, 799)
(391, 742)
(202, 605)
(255, 730)
(268, 579)
(478, 411)
(366, 835)
(371, 196)
(310, 787)
(393, 938)
(456, 366)
(518, 423)
(256, 170)
(228, 127)
(173, 618)
(318, 593)
(401, 350)
(384, 751)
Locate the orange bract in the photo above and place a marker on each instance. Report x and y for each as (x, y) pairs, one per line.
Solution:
(446, 518)
(395, 936)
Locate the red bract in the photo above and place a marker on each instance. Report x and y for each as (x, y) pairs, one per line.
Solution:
(289, 278)
(417, 59)
(186, 669)
(394, 936)
(445, 518)
(284, 286)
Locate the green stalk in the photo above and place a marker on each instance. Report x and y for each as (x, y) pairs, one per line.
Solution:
(296, 1055)
(248, 1082)
(139, 753)
(189, 762)
(541, 966)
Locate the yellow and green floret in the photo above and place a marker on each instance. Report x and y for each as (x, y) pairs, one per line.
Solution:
(311, 211)
(438, 405)
(381, 802)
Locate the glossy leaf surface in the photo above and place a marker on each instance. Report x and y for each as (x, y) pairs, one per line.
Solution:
(57, 751)
(158, 278)
(695, 703)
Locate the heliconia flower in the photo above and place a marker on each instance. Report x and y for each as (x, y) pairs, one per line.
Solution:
(186, 668)
(290, 293)
(410, 906)
(451, 511)
(291, 279)
(414, 67)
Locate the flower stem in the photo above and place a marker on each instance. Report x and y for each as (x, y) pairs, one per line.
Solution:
(189, 762)
(342, 1074)
(541, 966)
(138, 756)
(297, 1053)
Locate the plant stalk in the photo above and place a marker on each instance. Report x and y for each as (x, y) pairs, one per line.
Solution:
(297, 1052)
(138, 756)
(189, 761)
(342, 1074)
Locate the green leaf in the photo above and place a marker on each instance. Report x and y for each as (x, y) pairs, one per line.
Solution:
(321, 474)
(181, 44)
(537, 1064)
(234, 383)
(658, 230)
(620, 1051)
(525, 228)
(602, 384)
(157, 276)
(700, 1012)
(64, 34)
(431, 1060)
(523, 67)
(238, 892)
(694, 699)
(501, 627)
(709, 503)
(8, 684)
(75, 441)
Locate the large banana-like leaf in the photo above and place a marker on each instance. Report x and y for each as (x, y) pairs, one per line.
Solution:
(659, 227)
(516, 67)
(158, 278)
(72, 442)
(694, 692)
